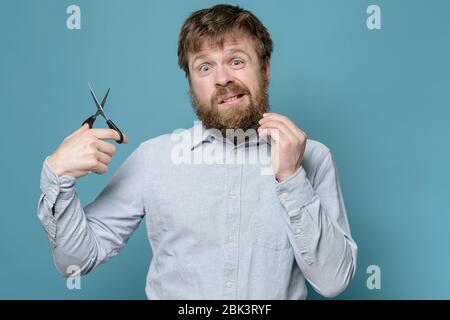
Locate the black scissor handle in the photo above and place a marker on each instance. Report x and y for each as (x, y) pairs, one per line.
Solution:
(90, 121)
(111, 125)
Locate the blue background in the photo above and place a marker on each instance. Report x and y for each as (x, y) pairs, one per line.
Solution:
(378, 99)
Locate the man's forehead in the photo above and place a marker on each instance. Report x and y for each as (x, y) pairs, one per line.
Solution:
(241, 41)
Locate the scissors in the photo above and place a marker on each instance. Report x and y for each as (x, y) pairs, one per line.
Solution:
(90, 121)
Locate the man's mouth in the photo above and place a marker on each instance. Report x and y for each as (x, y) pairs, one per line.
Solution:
(231, 99)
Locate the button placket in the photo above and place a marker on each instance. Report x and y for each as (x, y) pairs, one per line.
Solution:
(233, 178)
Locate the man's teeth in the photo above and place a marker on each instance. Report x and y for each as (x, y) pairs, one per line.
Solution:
(230, 99)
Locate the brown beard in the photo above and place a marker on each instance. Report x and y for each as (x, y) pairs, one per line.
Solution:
(242, 117)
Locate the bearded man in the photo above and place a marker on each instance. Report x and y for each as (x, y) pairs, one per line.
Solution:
(217, 229)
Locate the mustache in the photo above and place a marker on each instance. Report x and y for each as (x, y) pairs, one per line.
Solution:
(230, 88)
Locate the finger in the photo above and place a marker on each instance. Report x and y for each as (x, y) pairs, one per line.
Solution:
(278, 125)
(106, 147)
(83, 128)
(106, 134)
(104, 158)
(100, 168)
(288, 122)
(273, 133)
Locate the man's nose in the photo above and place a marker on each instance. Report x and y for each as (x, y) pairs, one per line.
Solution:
(223, 77)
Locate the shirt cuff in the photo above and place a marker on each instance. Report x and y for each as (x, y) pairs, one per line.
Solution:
(53, 186)
(295, 192)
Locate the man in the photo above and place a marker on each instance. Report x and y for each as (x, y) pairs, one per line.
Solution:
(219, 226)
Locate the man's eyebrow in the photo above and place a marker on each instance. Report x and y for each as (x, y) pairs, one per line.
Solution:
(228, 52)
(234, 51)
(202, 56)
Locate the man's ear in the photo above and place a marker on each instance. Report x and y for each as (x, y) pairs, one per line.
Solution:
(267, 73)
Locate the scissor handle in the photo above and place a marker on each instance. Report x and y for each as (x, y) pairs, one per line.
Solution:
(111, 125)
(90, 121)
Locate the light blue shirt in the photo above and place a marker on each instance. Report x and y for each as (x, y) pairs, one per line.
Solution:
(218, 228)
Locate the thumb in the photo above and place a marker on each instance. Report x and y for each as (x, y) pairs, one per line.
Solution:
(84, 127)
(81, 129)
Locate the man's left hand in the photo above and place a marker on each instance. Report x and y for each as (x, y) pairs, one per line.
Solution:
(287, 144)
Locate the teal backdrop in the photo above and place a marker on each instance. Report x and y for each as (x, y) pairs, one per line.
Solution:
(379, 99)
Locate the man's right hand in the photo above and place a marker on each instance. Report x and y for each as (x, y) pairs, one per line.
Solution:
(83, 152)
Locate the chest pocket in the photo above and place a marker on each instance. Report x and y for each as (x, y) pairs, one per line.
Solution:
(270, 230)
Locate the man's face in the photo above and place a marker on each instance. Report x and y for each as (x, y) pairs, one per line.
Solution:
(228, 86)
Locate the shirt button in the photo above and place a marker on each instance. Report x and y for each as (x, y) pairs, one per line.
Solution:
(284, 195)
(230, 238)
(298, 231)
(229, 284)
(232, 194)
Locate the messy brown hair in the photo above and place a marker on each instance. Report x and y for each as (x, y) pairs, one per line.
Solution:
(214, 25)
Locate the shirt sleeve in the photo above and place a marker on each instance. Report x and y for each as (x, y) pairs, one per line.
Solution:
(86, 237)
(318, 228)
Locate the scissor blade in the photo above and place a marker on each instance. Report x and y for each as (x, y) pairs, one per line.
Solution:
(104, 98)
(99, 107)
(103, 103)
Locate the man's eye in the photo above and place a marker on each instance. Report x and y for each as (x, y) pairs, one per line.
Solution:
(204, 68)
(236, 62)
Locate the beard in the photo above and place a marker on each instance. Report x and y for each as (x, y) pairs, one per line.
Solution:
(243, 116)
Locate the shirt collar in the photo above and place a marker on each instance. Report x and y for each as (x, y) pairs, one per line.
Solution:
(200, 135)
